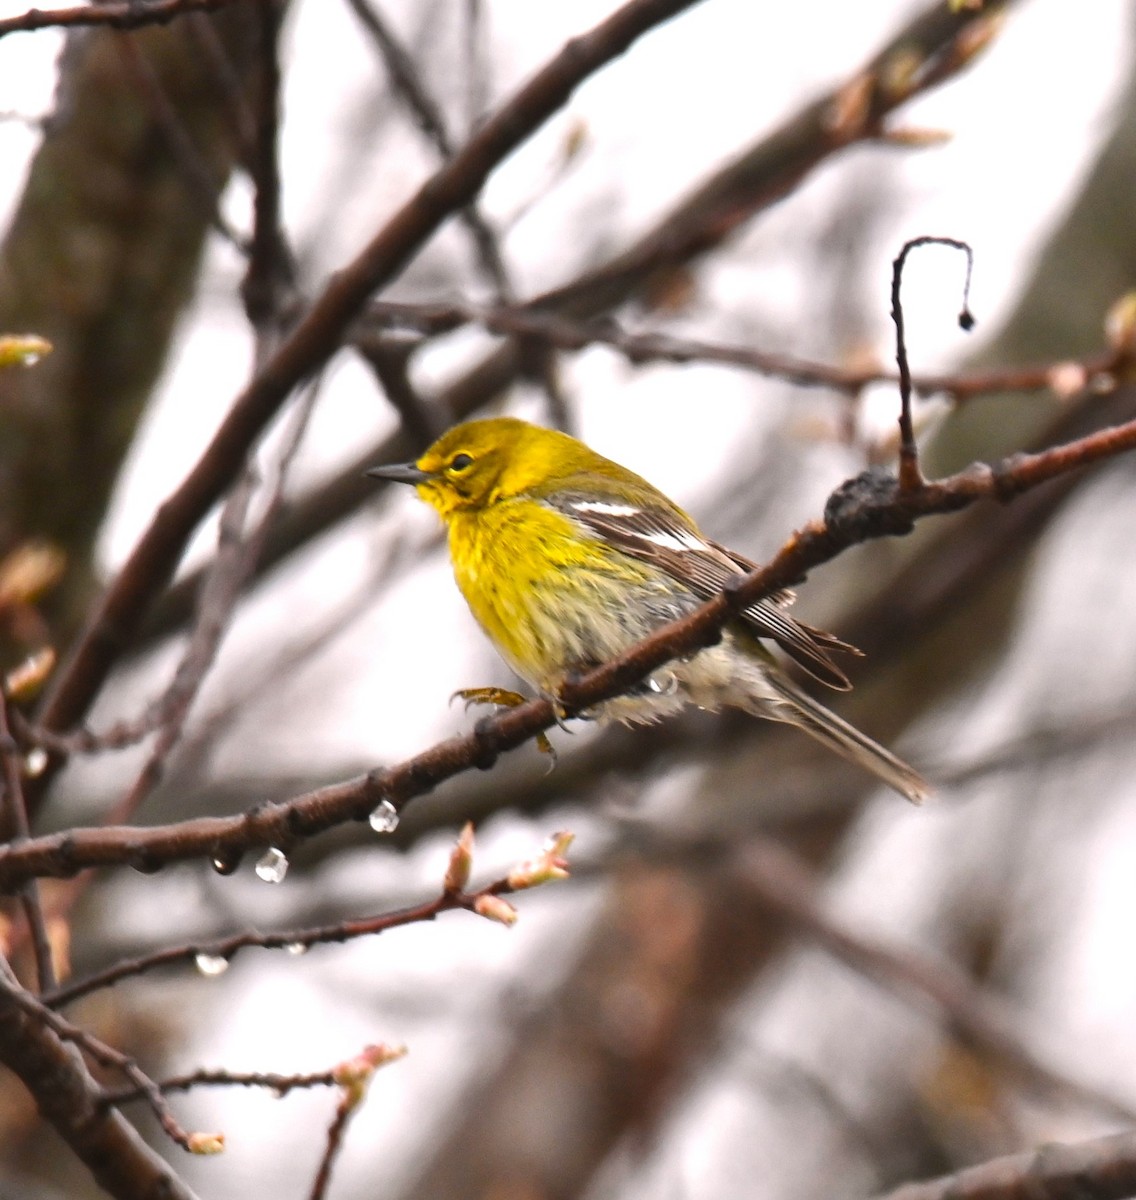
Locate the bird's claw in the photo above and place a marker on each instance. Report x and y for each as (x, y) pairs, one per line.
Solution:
(504, 698)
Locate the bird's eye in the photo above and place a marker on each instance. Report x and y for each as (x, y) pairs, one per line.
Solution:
(460, 462)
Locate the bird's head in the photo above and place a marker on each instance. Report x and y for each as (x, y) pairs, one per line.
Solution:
(483, 462)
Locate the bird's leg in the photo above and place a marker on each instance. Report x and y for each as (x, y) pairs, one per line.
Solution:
(501, 697)
(504, 698)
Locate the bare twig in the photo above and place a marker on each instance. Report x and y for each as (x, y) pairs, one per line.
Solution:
(344, 1111)
(477, 68)
(16, 813)
(281, 1085)
(910, 476)
(409, 84)
(217, 602)
(566, 333)
(353, 1077)
(290, 940)
(1103, 1168)
(389, 357)
(128, 14)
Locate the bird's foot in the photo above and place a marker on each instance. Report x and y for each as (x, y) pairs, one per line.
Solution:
(504, 698)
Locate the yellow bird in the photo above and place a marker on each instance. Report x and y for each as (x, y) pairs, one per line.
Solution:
(566, 559)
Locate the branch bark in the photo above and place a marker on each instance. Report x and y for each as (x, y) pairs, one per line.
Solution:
(70, 1100)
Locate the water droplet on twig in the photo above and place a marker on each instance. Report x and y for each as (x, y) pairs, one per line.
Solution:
(272, 865)
(385, 818)
(211, 964)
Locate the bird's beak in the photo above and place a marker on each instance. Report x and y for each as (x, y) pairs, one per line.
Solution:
(398, 473)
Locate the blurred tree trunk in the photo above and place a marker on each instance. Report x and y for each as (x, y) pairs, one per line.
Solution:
(101, 259)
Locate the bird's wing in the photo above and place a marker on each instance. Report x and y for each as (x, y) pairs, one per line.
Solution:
(660, 535)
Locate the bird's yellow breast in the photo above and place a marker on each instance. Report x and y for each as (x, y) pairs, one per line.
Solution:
(549, 597)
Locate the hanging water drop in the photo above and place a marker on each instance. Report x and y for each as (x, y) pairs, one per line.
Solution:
(385, 818)
(295, 949)
(272, 866)
(35, 762)
(663, 683)
(211, 964)
(226, 862)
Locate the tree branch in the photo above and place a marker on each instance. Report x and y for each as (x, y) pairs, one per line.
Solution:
(870, 506)
(127, 15)
(1103, 1168)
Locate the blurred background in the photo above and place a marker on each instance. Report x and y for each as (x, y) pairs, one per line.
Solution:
(766, 977)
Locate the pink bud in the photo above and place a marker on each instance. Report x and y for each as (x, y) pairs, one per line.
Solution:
(493, 908)
(461, 862)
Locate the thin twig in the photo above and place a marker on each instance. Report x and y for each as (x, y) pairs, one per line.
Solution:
(910, 476)
(344, 1111)
(389, 357)
(476, 61)
(428, 114)
(567, 333)
(289, 940)
(16, 813)
(128, 14)
(279, 1084)
(1101, 1168)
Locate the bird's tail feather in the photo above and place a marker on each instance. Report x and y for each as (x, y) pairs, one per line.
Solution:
(799, 708)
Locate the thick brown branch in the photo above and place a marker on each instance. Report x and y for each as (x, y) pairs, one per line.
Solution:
(867, 507)
(69, 1099)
